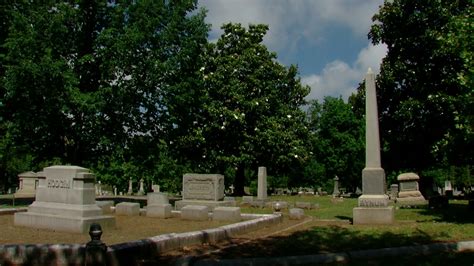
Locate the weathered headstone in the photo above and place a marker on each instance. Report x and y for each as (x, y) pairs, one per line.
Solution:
(65, 201)
(115, 191)
(141, 190)
(204, 190)
(127, 209)
(409, 190)
(27, 186)
(448, 188)
(262, 183)
(155, 188)
(158, 205)
(130, 187)
(336, 192)
(373, 204)
(226, 214)
(393, 191)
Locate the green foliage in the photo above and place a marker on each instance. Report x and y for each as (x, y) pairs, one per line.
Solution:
(250, 112)
(95, 83)
(424, 91)
(337, 138)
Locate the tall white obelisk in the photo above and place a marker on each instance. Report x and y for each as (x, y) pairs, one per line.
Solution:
(373, 204)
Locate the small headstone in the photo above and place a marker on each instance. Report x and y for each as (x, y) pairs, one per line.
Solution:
(232, 189)
(296, 214)
(28, 184)
(127, 209)
(155, 188)
(226, 214)
(130, 187)
(247, 199)
(105, 205)
(159, 210)
(195, 212)
(157, 198)
(393, 191)
(158, 205)
(336, 192)
(141, 190)
(262, 183)
(448, 189)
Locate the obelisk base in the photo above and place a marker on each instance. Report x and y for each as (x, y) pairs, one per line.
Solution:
(373, 209)
(373, 215)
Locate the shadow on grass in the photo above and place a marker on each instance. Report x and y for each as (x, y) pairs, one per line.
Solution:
(455, 213)
(328, 239)
(341, 217)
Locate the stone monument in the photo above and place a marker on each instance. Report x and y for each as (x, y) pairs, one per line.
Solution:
(262, 184)
(336, 192)
(27, 186)
(130, 187)
(409, 193)
(141, 190)
(373, 204)
(65, 201)
(203, 189)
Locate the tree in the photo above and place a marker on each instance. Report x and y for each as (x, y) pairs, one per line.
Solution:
(251, 112)
(425, 109)
(337, 142)
(91, 81)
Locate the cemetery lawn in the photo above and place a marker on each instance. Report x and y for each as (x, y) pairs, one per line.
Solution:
(325, 229)
(329, 229)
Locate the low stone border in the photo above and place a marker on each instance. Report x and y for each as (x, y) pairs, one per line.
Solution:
(12, 210)
(130, 253)
(347, 257)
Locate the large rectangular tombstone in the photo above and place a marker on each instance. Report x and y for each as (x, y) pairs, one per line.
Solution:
(65, 201)
(203, 187)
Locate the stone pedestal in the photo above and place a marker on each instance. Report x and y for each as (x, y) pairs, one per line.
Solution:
(27, 186)
(409, 190)
(65, 201)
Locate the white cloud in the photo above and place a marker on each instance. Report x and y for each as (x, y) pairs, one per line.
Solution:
(294, 22)
(341, 79)
(309, 17)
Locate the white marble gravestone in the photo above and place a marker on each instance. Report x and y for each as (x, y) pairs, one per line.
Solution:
(202, 189)
(65, 201)
(262, 184)
(373, 204)
(27, 186)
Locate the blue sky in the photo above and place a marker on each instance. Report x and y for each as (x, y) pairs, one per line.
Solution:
(327, 39)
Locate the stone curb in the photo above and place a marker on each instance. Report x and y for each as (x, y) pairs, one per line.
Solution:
(124, 253)
(346, 257)
(130, 252)
(12, 210)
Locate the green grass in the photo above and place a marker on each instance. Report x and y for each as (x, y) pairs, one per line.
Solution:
(416, 225)
(331, 231)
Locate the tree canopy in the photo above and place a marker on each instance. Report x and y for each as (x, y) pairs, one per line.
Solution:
(425, 85)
